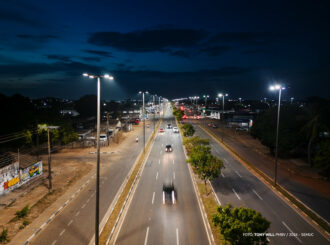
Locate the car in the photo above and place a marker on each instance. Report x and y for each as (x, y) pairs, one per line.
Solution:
(103, 137)
(214, 126)
(169, 193)
(175, 130)
(161, 130)
(168, 148)
(209, 125)
(169, 126)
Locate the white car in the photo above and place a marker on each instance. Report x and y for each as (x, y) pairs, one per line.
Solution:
(175, 130)
(103, 137)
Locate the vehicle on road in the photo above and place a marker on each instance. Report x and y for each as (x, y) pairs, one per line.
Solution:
(214, 126)
(169, 126)
(168, 148)
(137, 139)
(175, 130)
(161, 130)
(209, 125)
(169, 193)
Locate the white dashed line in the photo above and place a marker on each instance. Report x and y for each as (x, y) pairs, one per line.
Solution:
(173, 161)
(83, 205)
(236, 194)
(238, 174)
(159, 161)
(257, 194)
(70, 222)
(177, 236)
(77, 213)
(153, 198)
(146, 239)
(222, 175)
(88, 200)
(173, 175)
(286, 226)
(62, 232)
(157, 176)
(54, 242)
(225, 160)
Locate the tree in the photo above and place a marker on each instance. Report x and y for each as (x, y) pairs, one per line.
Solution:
(322, 158)
(235, 222)
(189, 143)
(188, 130)
(198, 155)
(86, 106)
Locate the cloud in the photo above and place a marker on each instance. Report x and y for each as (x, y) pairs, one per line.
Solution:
(63, 58)
(253, 51)
(98, 52)
(215, 50)
(148, 40)
(248, 38)
(36, 38)
(179, 53)
(95, 59)
(16, 17)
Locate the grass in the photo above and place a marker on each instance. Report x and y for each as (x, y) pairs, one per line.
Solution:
(113, 217)
(280, 189)
(4, 235)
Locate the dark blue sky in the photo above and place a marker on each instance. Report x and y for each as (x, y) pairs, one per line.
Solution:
(172, 48)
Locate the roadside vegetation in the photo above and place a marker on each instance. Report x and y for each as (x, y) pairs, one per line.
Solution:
(227, 224)
(303, 133)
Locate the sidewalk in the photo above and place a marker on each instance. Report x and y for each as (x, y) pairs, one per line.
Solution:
(293, 174)
(71, 168)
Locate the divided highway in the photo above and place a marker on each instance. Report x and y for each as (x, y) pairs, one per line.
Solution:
(238, 186)
(148, 220)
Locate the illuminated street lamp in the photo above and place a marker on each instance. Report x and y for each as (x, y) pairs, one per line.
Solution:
(97, 211)
(279, 88)
(143, 117)
(205, 97)
(223, 102)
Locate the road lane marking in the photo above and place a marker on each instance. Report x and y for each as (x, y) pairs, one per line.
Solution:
(70, 222)
(236, 194)
(173, 175)
(225, 160)
(238, 174)
(153, 198)
(161, 152)
(177, 236)
(222, 175)
(286, 226)
(159, 161)
(54, 242)
(62, 232)
(83, 205)
(88, 200)
(146, 239)
(173, 161)
(77, 213)
(257, 194)
(157, 176)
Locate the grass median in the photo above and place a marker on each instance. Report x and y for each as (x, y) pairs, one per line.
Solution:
(311, 214)
(113, 217)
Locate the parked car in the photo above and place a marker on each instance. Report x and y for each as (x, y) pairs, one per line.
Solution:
(161, 130)
(209, 125)
(103, 138)
(214, 126)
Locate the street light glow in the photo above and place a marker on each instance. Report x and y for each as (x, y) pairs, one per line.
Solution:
(220, 95)
(85, 74)
(91, 76)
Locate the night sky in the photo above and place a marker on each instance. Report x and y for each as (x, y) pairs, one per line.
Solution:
(171, 48)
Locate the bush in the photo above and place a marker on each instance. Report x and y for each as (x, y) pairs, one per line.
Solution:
(23, 213)
(188, 130)
(4, 235)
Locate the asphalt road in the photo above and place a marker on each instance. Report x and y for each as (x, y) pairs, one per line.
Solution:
(239, 187)
(148, 220)
(313, 199)
(75, 225)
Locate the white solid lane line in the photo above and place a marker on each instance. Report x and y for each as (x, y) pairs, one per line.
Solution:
(62, 232)
(146, 239)
(236, 194)
(173, 175)
(153, 198)
(222, 175)
(238, 174)
(157, 176)
(83, 205)
(77, 213)
(173, 161)
(286, 226)
(177, 236)
(257, 194)
(70, 222)
(54, 242)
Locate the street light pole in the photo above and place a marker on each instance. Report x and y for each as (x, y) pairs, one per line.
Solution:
(279, 88)
(98, 120)
(154, 112)
(49, 165)
(223, 103)
(144, 123)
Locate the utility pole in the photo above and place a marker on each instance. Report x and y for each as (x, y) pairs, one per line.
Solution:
(154, 111)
